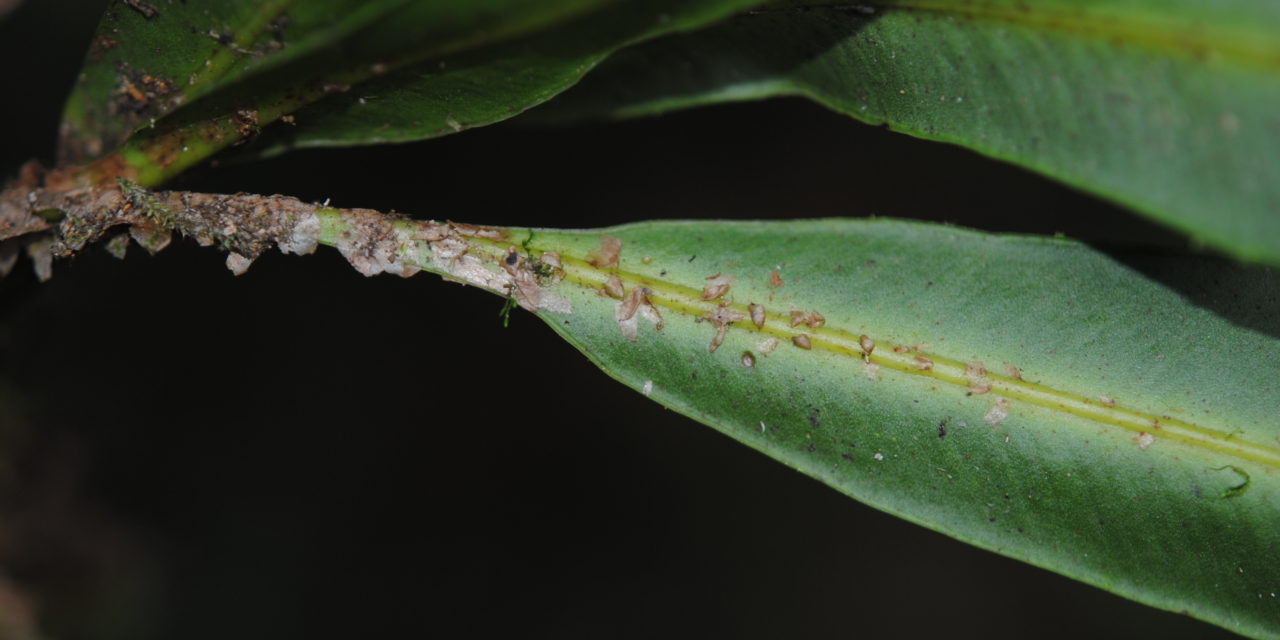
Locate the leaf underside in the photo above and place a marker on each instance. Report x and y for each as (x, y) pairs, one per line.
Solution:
(1074, 413)
(189, 82)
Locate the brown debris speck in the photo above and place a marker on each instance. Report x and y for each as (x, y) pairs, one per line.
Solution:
(999, 411)
(147, 9)
(717, 339)
(628, 307)
(812, 319)
(766, 346)
(633, 306)
(802, 341)
(613, 287)
(716, 287)
(246, 121)
(775, 279)
(141, 95)
(480, 231)
(868, 345)
(721, 317)
(606, 255)
(1144, 440)
(757, 314)
(976, 373)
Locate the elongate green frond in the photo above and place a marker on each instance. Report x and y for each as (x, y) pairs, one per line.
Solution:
(165, 87)
(1167, 107)
(1031, 396)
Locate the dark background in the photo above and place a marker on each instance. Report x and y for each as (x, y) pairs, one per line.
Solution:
(303, 452)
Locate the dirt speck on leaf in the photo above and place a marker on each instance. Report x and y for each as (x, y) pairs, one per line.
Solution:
(766, 346)
(868, 346)
(811, 319)
(998, 412)
(147, 9)
(613, 287)
(775, 279)
(721, 317)
(141, 95)
(1144, 440)
(631, 308)
(716, 286)
(606, 255)
(246, 121)
(976, 374)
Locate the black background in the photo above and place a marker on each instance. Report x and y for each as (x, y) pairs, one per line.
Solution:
(304, 452)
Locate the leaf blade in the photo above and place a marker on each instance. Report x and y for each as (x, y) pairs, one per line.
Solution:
(1173, 120)
(329, 55)
(482, 87)
(1093, 500)
(1028, 395)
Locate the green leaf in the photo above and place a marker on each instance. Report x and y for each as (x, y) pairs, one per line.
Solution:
(485, 86)
(172, 89)
(1167, 107)
(1029, 395)
(147, 60)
